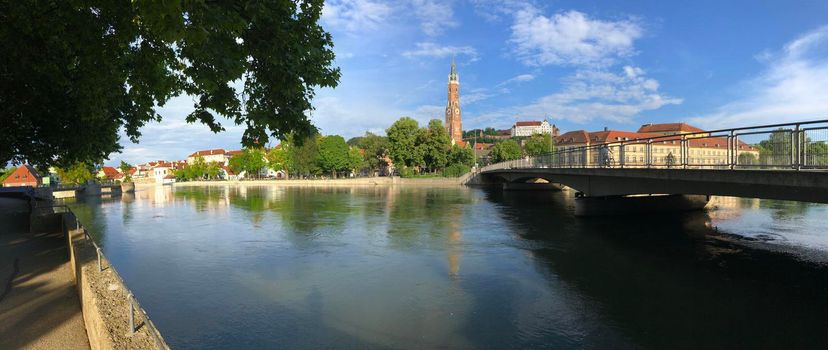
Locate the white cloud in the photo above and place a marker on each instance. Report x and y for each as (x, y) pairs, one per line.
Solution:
(571, 38)
(355, 15)
(434, 16)
(429, 49)
(590, 95)
(792, 87)
(517, 79)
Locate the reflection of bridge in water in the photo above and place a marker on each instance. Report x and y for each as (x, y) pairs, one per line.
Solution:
(781, 161)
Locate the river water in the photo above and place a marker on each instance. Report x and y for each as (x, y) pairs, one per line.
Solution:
(406, 267)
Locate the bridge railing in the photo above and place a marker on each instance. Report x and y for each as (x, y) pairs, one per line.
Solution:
(793, 146)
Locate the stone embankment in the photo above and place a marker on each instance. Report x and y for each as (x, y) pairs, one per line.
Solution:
(362, 181)
(105, 299)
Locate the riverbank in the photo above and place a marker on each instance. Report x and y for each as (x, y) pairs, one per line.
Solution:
(362, 181)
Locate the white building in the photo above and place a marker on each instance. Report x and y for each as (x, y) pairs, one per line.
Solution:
(530, 128)
(211, 155)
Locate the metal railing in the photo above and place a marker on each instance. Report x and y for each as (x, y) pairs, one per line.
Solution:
(791, 146)
(133, 303)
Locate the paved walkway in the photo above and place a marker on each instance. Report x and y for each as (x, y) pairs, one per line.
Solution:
(39, 304)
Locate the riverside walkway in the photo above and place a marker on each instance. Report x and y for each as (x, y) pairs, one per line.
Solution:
(39, 304)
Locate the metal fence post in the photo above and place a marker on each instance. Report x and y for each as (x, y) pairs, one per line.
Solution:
(798, 148)
(98, 250)
(131, 314)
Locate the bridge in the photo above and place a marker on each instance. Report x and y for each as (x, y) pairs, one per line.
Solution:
(779, 161)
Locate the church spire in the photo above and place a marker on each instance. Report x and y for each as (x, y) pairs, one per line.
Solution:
(453, 74)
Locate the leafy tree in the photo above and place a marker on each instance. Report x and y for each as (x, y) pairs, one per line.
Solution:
(85, 70)
(250, 161)
(538, 144)
(747, 159)
(506, 150)
(356, 160)
(197, 169)
(213, 170)
(277, 159)
(376, 150)
(461, 155)
(333, 154)
(355, 141)
(402, 142)
(302, 156)
(76, 174)
(125, 167)
(4, 173)
(435, 144)
(456, 170)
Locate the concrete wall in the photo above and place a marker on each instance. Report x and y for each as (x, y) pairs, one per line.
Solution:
(104, 298)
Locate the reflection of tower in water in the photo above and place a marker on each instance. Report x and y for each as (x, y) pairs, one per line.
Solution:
(455, 240)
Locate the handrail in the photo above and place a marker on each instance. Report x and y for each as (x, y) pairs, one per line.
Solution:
(133, 302)
(725, 151)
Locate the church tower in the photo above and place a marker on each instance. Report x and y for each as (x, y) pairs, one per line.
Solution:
(453, 123)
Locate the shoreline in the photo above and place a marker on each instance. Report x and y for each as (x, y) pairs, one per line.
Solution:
(364, 181)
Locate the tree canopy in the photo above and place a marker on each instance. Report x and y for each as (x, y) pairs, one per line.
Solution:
(506, 150)
(333, 154)
(538, 144)
(77, 73)
(402, 142)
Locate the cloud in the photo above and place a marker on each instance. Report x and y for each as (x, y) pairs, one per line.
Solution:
(571, 38)
(435, 16)
(429, 49)
(517, 79)
(590, 95)
(791, 87)
(355, 15)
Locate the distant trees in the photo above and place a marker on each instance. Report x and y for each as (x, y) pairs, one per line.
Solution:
(461, 155)
(250, 161)
(302, 155)
(375, 150)
(333, 154)
(125, 168)
(434, 143)
(77, 174)
(402, 143)
(538, 144)
(506, 150)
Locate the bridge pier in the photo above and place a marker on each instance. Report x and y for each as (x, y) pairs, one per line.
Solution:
(638, 204)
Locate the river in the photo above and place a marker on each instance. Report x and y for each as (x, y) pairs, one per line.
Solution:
(407, 267)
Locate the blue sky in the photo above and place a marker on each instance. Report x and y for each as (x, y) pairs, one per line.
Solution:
(579, 64)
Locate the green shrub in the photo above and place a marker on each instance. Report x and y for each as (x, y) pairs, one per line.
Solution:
(407, 172)
(455, 170)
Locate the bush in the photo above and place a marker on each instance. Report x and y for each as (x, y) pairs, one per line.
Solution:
(407, 172)
(455, 170)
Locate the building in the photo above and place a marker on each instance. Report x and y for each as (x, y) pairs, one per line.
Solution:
(108, 172)
(211, 155)
(454, 125)
(529, 128)
(24, 175)
(703, 151)
(667, 129)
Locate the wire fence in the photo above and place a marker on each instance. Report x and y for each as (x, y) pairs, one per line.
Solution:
(796, 146)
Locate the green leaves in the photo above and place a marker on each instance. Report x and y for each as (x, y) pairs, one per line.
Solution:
(73, 77)
(506, 150)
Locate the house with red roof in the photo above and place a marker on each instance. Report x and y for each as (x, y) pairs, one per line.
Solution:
(529, 128)
(24, 175)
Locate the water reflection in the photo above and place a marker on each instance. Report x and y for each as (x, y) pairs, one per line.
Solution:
(390, 267)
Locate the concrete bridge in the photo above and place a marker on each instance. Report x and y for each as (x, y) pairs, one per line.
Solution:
(783, 161)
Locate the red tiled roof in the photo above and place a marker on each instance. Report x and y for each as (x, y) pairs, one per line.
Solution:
(504, 132)
(233, 153)
(228, 170)
(24, 175)
(109, 171)
(208, 152)
(577, 136)
(481, 146)
(669, 127)
(529, 123)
